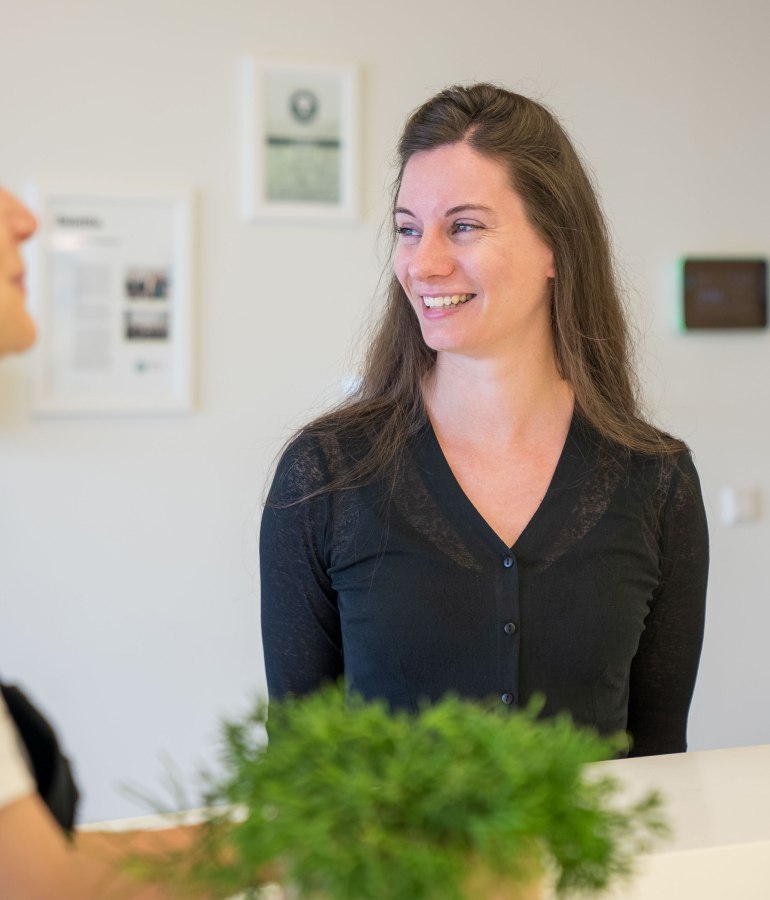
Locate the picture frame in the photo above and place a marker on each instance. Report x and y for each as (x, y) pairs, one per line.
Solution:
(111, 289)
(300, 141)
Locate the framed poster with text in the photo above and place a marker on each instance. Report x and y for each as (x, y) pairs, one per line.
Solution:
(111, 290)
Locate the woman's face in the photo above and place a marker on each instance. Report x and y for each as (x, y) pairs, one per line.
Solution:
(473, 267)
(17, 330)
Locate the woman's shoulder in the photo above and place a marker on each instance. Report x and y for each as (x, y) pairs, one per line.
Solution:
(641, 443)
(49, 767)
(652, 456)
(670, 457)
(316, 457)
(15, 777)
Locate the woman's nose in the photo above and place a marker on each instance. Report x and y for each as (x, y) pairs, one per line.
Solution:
(21, 222)
(431, 258)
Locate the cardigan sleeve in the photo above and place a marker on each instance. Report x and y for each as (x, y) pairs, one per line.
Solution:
(665, 666)
(301, 632)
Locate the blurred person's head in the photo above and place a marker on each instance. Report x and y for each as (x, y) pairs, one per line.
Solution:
(17, 330)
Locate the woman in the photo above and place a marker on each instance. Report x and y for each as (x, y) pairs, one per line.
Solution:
(37, 793)
(491, 515)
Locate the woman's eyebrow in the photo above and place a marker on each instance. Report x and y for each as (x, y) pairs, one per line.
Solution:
(463, 207)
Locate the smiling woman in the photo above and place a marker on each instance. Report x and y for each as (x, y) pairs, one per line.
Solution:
(491, 515)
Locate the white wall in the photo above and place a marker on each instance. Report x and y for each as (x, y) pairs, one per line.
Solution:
(128, 588)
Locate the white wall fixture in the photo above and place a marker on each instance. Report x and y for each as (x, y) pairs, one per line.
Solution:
(739, 506)
(299, 141)
(111, 287)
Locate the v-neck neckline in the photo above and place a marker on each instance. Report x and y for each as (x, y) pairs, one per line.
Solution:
(452, 494)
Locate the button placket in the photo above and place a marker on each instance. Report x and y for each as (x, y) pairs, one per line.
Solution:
(509, 628)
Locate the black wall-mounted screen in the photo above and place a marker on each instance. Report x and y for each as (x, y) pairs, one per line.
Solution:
(725, 293)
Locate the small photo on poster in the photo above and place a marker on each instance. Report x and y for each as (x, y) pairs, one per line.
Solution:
(147, 284)
(147, 325)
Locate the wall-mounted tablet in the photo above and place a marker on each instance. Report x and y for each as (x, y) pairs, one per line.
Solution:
(725, 293)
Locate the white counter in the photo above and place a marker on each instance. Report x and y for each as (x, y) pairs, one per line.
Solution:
(718, 804)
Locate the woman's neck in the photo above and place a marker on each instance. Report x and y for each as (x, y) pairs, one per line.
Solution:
(496, 399)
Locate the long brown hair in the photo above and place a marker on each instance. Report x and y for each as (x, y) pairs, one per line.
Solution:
(590, 332)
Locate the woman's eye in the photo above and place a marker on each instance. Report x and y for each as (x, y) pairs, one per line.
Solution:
(406, 231)
(465, 227)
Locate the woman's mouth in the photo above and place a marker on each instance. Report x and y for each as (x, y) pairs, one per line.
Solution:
(436, 302)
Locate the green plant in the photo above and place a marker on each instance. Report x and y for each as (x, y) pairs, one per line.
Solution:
(353, 802)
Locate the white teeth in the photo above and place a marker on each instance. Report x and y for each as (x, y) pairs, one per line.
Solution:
(447, 300)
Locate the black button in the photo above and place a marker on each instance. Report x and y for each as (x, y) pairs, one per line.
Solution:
(508, 562)
(509, 627)
(507, 698)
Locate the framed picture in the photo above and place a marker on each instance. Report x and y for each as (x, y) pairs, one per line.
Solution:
(300, 141)
(111, 290)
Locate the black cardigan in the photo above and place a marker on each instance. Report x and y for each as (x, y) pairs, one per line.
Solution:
(403, 587)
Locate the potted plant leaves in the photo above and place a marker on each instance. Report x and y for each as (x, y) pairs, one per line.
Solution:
(351, 801)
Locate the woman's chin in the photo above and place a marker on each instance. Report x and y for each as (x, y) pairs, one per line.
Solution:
(18, 336)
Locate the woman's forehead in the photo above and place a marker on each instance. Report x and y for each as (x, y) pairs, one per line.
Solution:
(450, 176)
